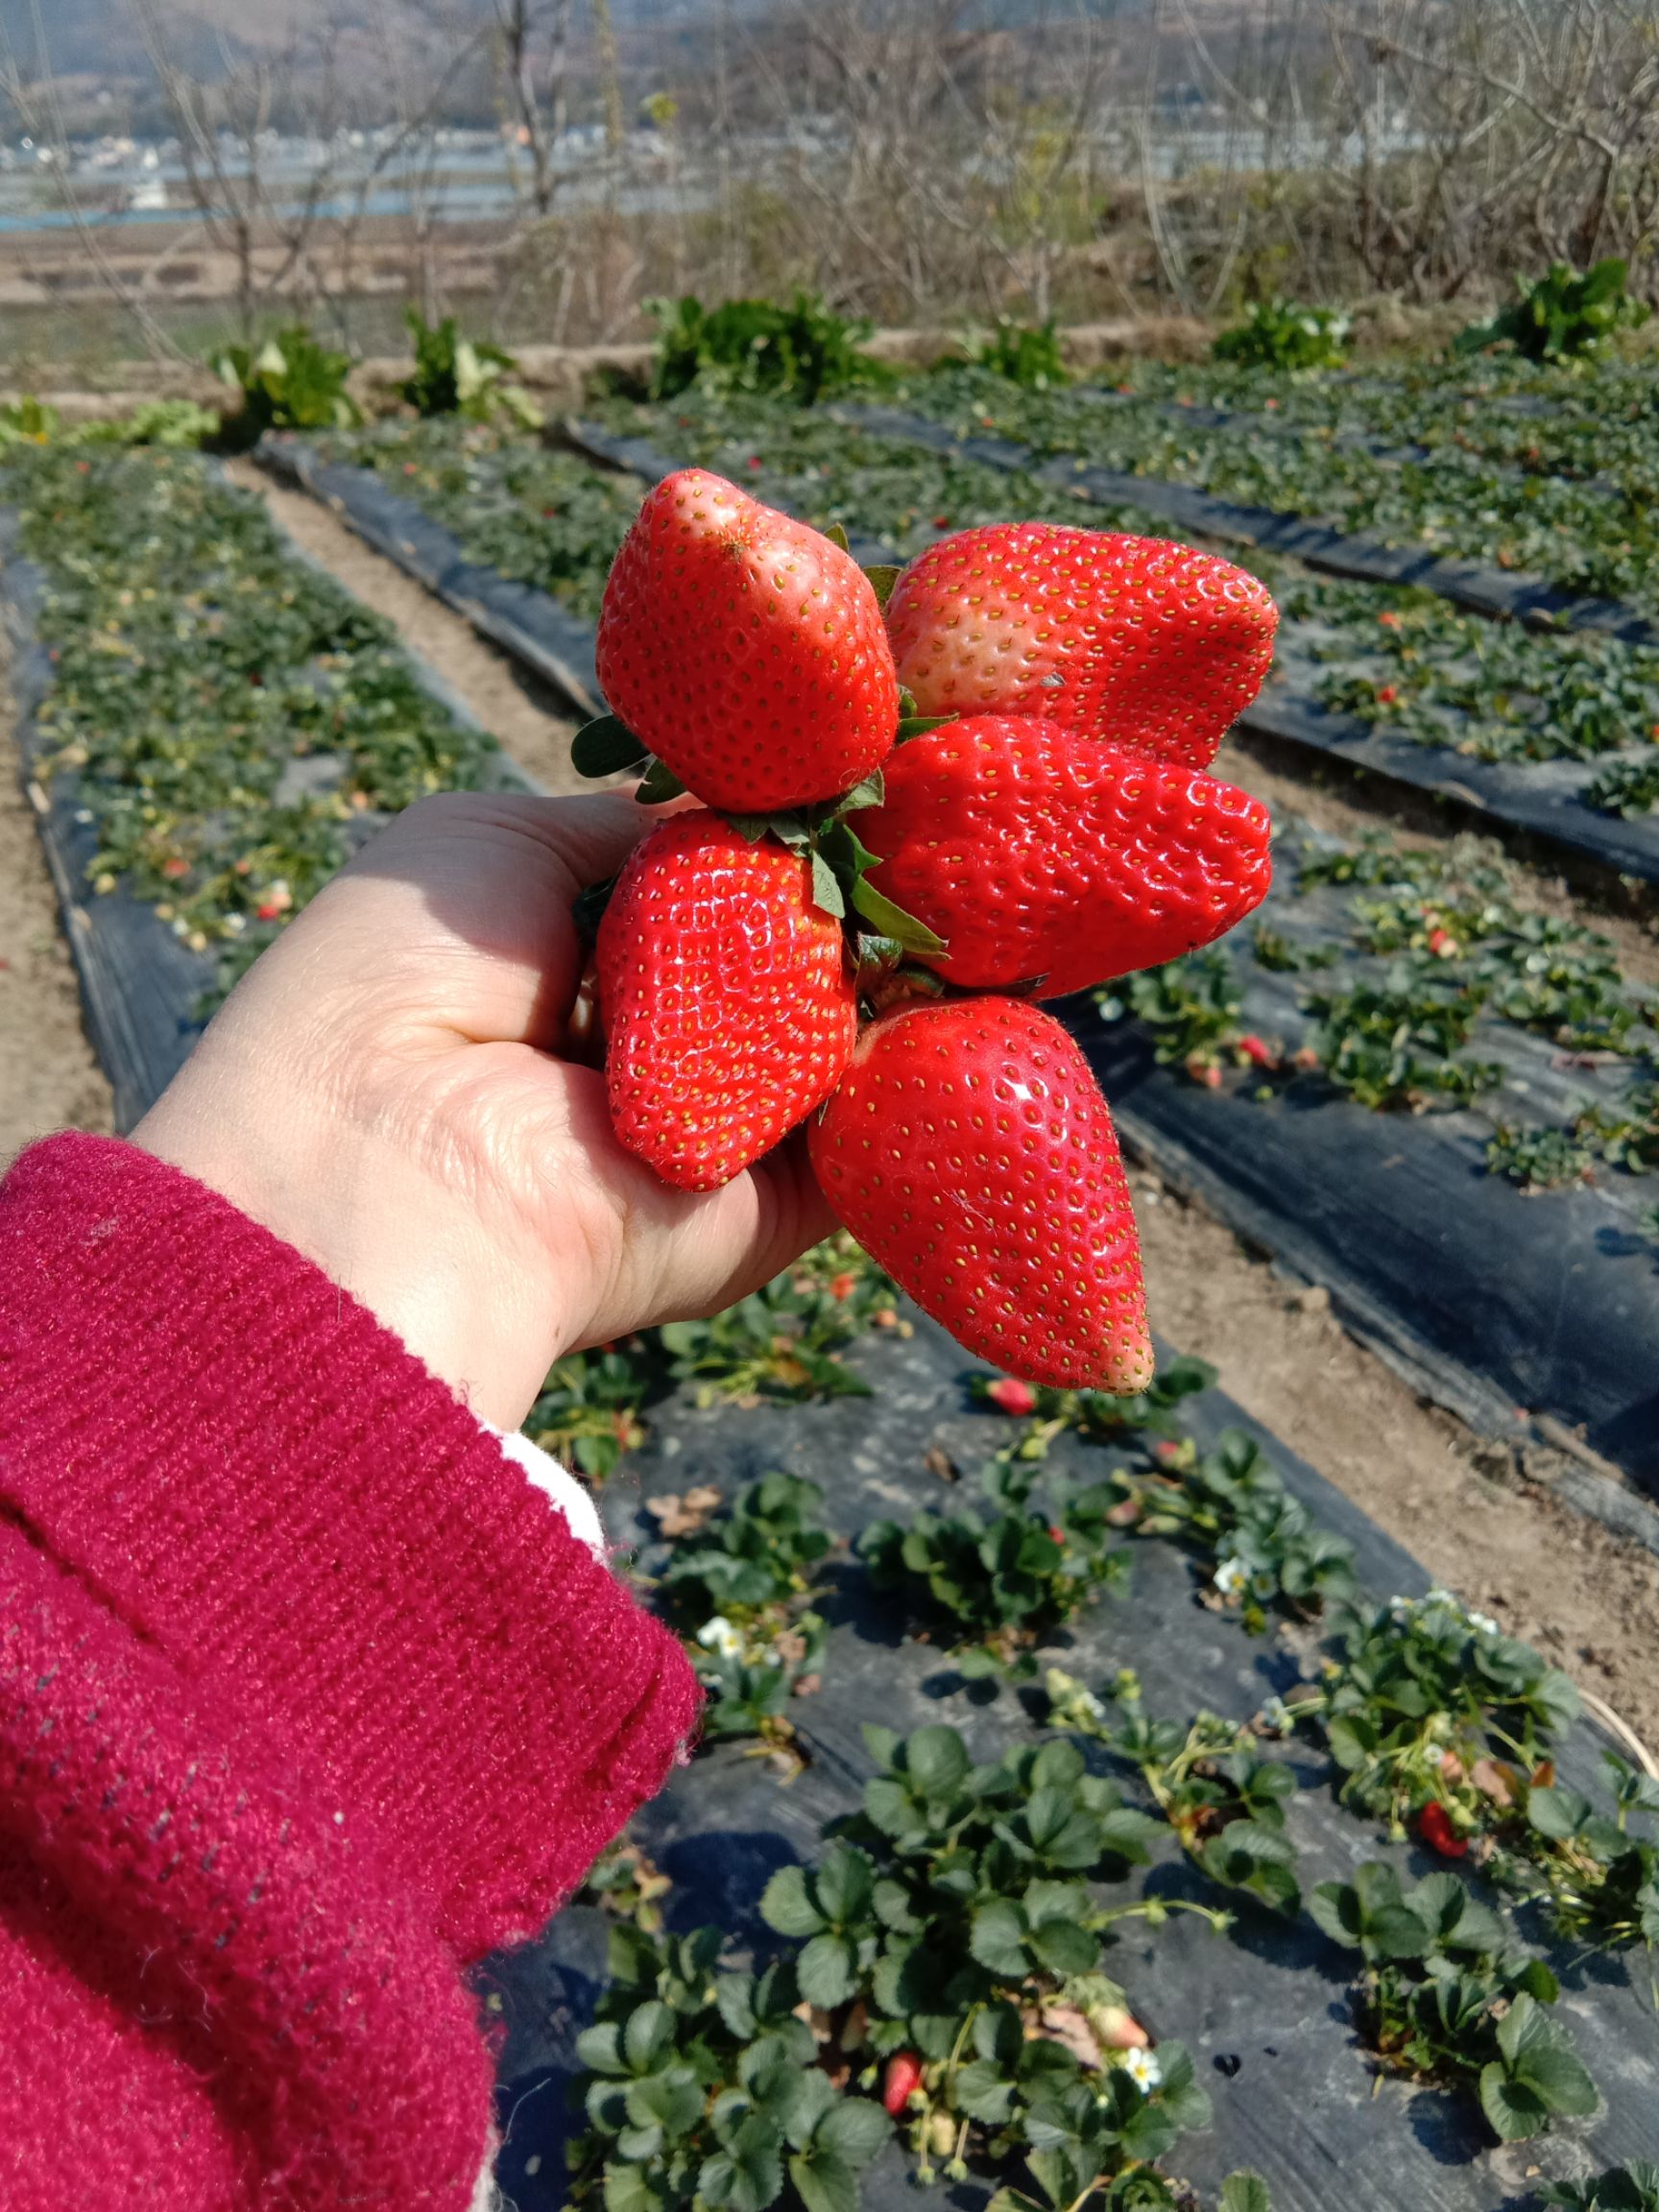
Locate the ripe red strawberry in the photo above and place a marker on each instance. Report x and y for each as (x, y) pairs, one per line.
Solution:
(1143, 642)
(1033, 851)
(1434, 1826)
(728, 1011)
(745, 650)
(903, 2075)
(971, 1153)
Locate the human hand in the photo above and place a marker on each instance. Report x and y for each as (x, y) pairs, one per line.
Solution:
(384, 1089)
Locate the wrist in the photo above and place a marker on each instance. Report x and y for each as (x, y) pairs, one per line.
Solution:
(353, 1198)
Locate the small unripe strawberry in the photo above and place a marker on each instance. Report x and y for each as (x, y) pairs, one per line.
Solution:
(903, 2077)
(1012, 1395)
(1118, 2030)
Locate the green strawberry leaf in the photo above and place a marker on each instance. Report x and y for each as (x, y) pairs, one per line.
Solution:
(606, 746)
(826, 891)
(751, 827)
(918, 726)
(892, 921)
(906, 703)
(659, 786)
(869, 793)
(837, 536)
(883, 578)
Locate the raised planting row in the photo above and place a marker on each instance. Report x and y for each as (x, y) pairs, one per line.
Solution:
(209, 725)
(1578, 541)
(1095, 1810)
(1404, 1222)
(1542, 420)
(1551, 735)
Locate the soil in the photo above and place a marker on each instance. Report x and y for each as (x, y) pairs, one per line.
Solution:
(518, 714)
(49, 1076)
(1476, 1513)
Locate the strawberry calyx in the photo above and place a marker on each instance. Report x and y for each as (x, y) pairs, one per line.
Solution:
(883, 936)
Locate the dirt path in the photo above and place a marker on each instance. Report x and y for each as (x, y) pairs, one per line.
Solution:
(526, 723)
(1478, 1515)
(49, 1077)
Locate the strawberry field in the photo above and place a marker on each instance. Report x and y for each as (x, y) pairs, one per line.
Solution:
(1095, 1810)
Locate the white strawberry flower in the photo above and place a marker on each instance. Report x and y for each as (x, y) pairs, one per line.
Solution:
(1232, 1575)
(720, 1637)
(1142, 2069)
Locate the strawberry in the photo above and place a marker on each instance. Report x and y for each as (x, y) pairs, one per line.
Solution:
(1013, 1397)
(902, 2079)
(1434, 1826)
(729, 1010)
(745, 650)
(1149, 644)
(971, 1153)
(1033, 851)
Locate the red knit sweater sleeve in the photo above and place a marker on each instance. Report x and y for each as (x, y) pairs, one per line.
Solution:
(314, 1587)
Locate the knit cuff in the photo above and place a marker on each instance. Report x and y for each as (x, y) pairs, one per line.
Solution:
(256, 1476)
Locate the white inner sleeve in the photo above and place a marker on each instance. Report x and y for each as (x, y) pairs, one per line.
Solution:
(555, 1483)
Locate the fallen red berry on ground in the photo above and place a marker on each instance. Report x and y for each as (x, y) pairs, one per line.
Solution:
(728, 1011)
(1137, 640)
(1034, 851)
(745, 650)
(970, 1151)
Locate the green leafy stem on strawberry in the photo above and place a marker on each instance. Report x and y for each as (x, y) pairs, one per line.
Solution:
(883, 934)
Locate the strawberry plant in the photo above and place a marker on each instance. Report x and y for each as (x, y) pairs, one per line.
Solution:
(702, 2089)
(1280, 334)
(954, 1926)
(1633, 2188)
(1626, 787)
(784, 1342)
(588, 1413)
(1192, 1005)
(1446, 1997)
(458, 376)
(1425, 1703)
(805, 348)
(1098, 1414)
(1024, 354)
(1594, 1874)
(291, 382)
(1539, 1159)
(625, 1883)
(741, 1588)
(1561, 316)
(1263, 1549)
(1209, 1778)
(999, 1581)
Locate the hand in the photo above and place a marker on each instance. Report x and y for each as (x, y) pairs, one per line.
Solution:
(383, 1088)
